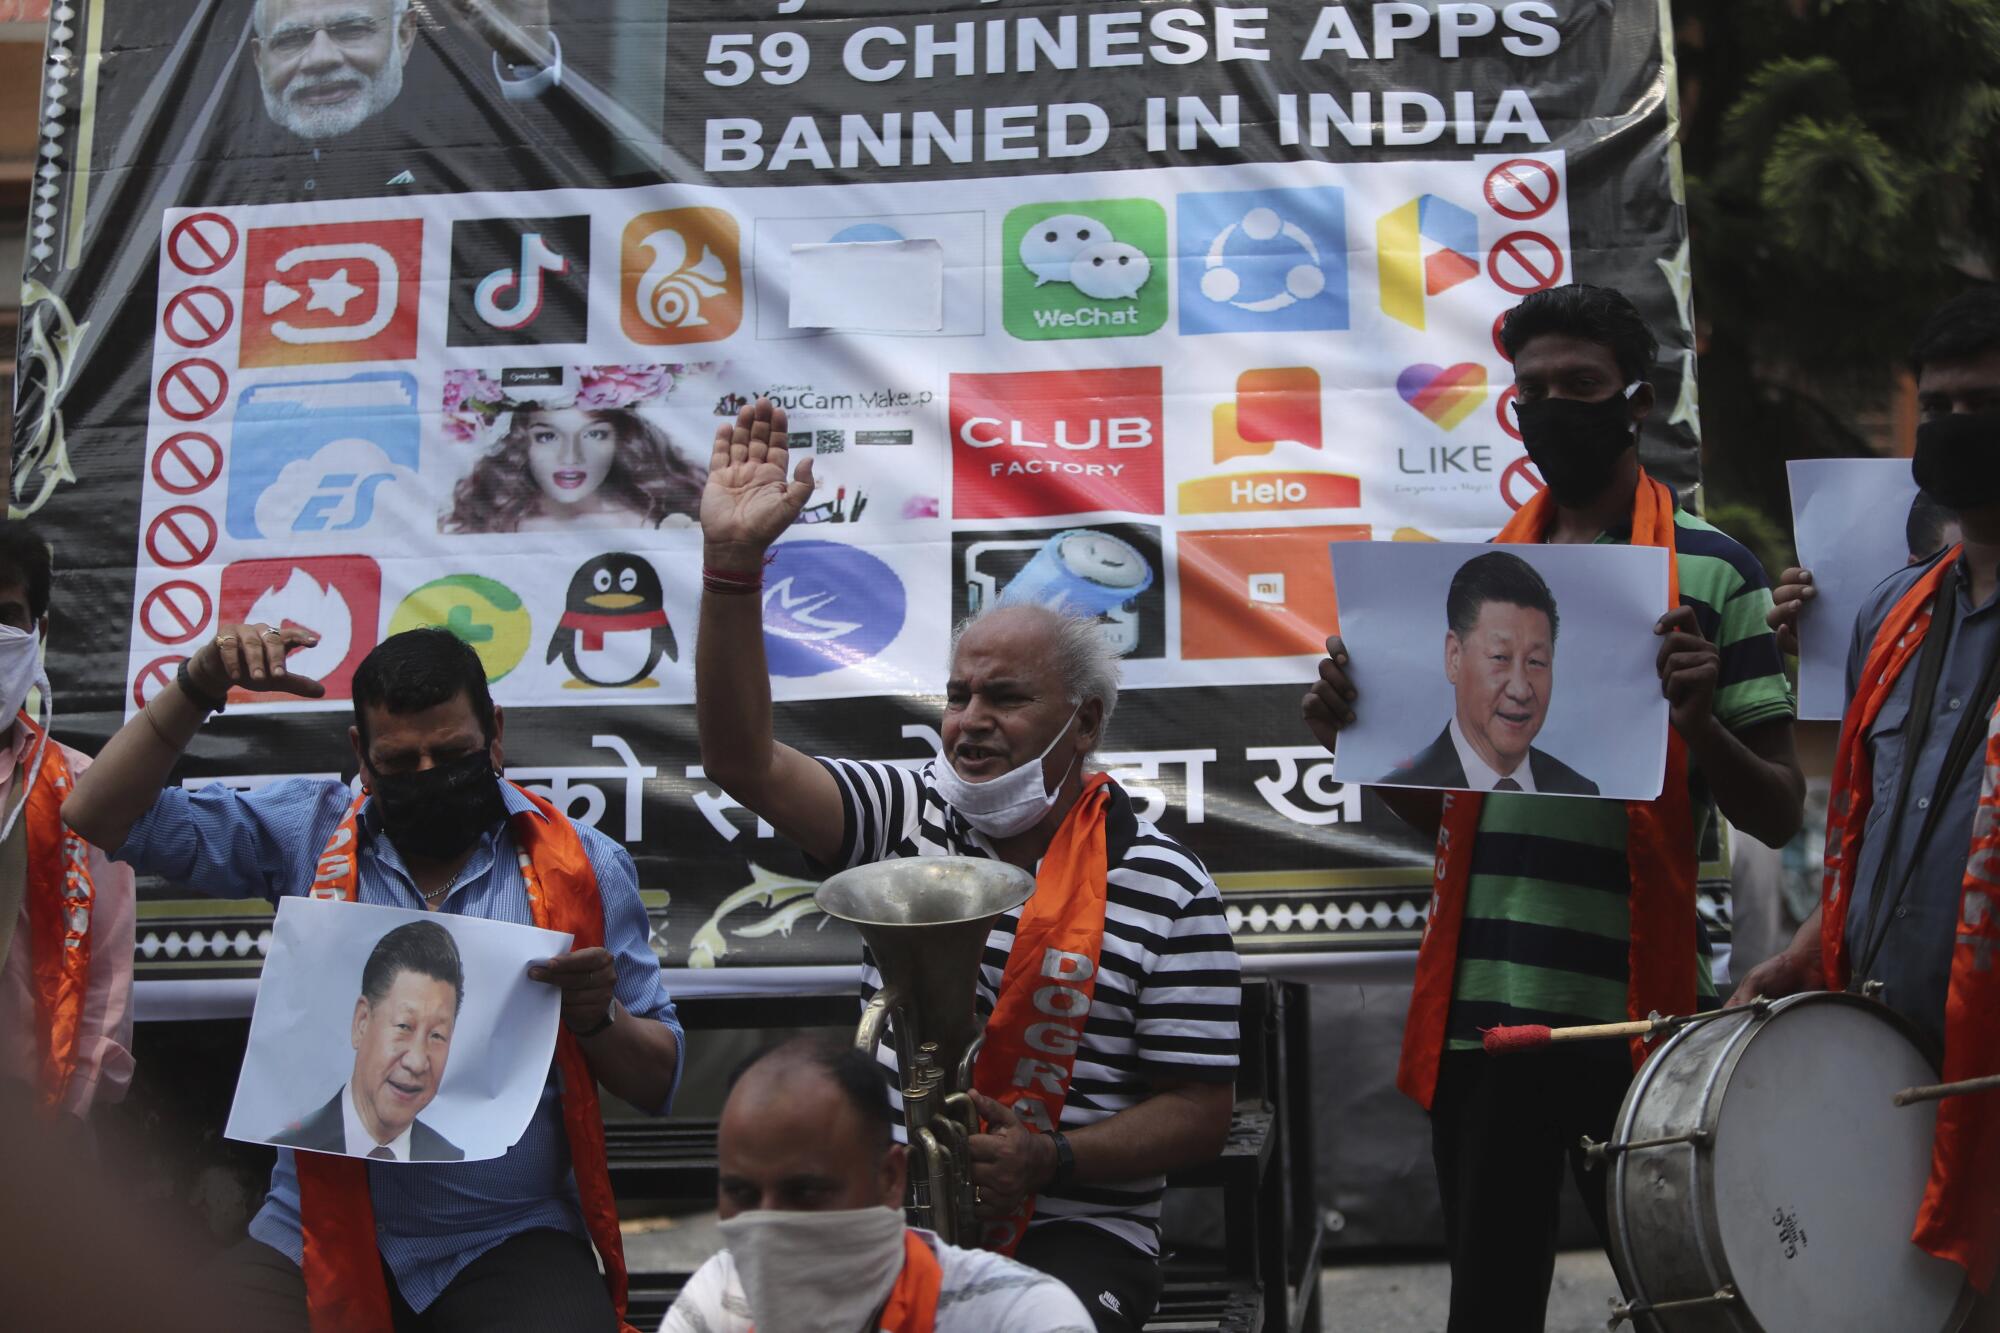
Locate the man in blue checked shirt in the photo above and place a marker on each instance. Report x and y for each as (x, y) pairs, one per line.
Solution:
(506, 1243)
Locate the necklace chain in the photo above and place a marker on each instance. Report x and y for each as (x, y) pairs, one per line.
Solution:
(436, 894)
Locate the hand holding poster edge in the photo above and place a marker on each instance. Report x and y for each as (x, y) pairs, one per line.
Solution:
(1504, 686)
(378, 1031)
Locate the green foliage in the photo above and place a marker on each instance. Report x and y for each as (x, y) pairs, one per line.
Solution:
(1843, 165)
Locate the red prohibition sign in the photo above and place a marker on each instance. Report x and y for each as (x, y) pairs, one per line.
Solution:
(1522, 189)
(154, 677)
(1525, 262)
(177, 469)
(198, 317)
(192, 389)
(1499, 346)
(1518, 470)
(201, 244)
(181, 537)
(1507, 422)
(175, 612)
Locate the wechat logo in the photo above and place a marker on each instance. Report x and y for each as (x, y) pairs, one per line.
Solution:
(1085, 269)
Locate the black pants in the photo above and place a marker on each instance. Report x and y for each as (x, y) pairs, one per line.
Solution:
(538, 1280)
(1118, 1284)
(1501, 1128)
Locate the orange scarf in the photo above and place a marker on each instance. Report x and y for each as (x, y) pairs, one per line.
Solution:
(343, 1268)
(913, 1301)
(60, 896)
(1659, 854)
(1959, 1219)
(1047, 988)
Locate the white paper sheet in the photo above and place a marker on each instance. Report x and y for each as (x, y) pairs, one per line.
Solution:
(868, 286)
(1849, 517)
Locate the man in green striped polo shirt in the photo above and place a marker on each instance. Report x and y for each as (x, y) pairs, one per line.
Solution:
(1545, 935)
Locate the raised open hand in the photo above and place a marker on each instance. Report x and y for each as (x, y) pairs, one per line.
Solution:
(748, 502)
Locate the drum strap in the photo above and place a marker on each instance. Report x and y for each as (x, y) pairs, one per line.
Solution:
(1968, 739)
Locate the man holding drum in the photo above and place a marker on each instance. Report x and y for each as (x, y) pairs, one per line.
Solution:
(1122, 946)
(1571, 911)
(1908, 914)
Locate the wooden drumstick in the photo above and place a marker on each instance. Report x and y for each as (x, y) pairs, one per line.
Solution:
(1939, 1091)
(1533, 1036)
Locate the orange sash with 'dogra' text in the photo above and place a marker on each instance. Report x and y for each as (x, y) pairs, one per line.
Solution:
(1048, 985)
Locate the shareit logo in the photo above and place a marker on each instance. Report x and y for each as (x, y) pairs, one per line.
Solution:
(1084, 270)
(1424, 249)
(1255, 261)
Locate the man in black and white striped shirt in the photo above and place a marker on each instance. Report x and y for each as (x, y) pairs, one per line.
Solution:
(1027, 699)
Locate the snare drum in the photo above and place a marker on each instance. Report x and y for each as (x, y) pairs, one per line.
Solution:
(1763, 1181)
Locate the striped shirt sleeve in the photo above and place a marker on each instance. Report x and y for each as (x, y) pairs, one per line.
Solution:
(881, 805)
(1185, 1021)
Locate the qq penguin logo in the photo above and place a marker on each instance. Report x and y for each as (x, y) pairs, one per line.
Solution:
(614, 628)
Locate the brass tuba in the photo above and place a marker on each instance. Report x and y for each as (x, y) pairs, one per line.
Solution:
(925, 919)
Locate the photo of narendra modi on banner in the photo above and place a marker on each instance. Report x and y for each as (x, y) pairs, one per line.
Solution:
(1512, 669)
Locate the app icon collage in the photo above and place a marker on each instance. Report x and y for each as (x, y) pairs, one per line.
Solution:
(1151, 398)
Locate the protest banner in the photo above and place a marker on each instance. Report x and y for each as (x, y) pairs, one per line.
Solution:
(1140, 304)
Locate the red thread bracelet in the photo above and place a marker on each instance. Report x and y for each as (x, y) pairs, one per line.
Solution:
(731, 582)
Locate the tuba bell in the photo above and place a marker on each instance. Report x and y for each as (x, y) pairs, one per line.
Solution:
(925, 919)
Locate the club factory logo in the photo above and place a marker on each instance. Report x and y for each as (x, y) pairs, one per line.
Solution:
(1084, 269)
(1056, 442)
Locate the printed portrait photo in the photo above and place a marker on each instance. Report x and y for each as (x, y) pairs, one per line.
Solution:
(1513, 669)
(572, 448)
(395, 1035)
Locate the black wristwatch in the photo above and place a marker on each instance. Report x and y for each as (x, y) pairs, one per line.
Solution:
(197, 696)
(1065, 1161)
(610, 1012)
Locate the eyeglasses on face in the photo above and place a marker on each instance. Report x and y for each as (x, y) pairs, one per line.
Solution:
(346, 33)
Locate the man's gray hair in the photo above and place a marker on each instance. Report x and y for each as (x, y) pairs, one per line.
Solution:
(260, 14)
(1082, 658)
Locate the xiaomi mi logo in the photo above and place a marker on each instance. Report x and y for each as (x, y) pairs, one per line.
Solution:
(1423, 249)
(1274, 416)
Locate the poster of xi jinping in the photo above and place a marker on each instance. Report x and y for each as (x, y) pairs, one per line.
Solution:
(363, 315)
(1523, 669)
(396, 1036)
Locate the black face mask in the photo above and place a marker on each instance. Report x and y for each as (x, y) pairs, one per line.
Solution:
(1575, 445)
(435, 814)
(1957, 460)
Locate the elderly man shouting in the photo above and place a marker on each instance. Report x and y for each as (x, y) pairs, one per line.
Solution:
(1073, 1187)
(811, 1193)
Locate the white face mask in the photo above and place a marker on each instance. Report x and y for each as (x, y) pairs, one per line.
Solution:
(1003, 806)
(825, 1272)
(21, 670)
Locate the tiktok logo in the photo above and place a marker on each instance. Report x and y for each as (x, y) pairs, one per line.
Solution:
(511, 298)
(519, 282)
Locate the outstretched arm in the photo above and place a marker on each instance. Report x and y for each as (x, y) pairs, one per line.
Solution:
(135, 763)
(747, 505)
